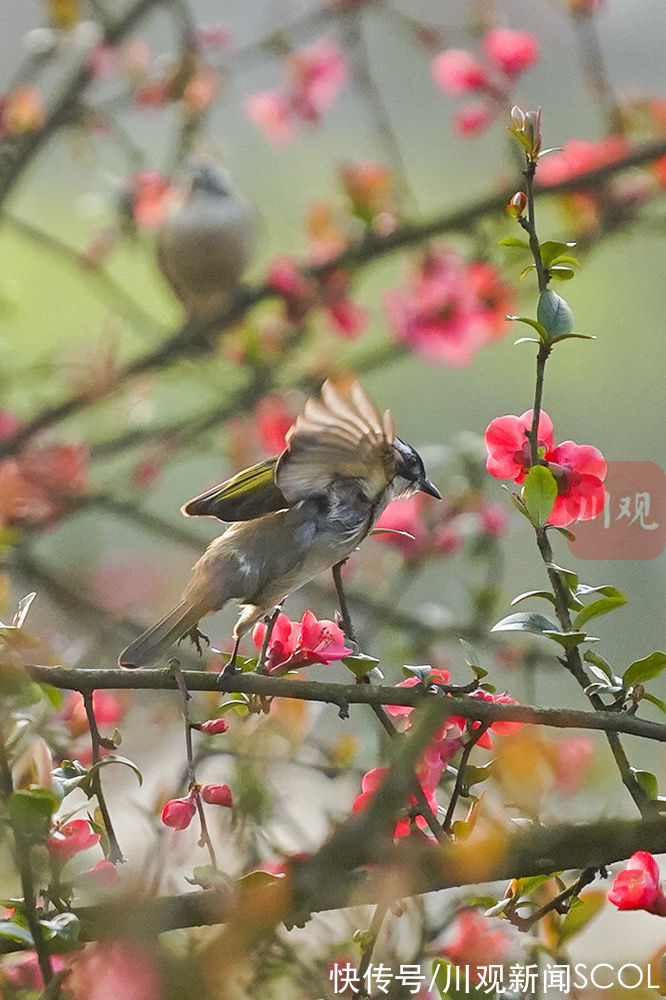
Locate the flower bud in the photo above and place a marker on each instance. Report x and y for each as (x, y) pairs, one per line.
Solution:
(517, 205)
(178, 813)
(217, 795)
(213, 727)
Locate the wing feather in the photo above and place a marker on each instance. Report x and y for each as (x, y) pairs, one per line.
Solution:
(337, 437)
(249, 494)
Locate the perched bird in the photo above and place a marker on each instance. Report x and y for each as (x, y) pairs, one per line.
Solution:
(295, 515)
(206, 246)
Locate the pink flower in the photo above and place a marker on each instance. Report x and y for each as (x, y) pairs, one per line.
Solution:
(473, 119)
(273, 420)
(477, 941)
(178, 813)
(372, 781)
(293, 646)
(214, 36)
(270, 112)
(71, 838)
(315, 74)
(457, 71)
(501, 728)
(512, 51)
(22, 111)
(104, 874)
(122, 969)
(106, 708)
(23, 973)
(9, 424)
(638, 887)
(213, 727)
(494, 521)
(580, 155)
(508, 448)
(571, 762)
(217, 795)
(434, 677)
(149, 192)
(579, 470)
(448, 309)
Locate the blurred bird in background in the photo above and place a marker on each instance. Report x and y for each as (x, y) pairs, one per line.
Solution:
(204, 248)
(294, 516)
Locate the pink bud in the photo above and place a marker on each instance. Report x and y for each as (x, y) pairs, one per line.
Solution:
(217, 795)
(213, 727)
(178, 813)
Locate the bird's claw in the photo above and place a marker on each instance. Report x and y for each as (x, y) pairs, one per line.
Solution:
(195, 635)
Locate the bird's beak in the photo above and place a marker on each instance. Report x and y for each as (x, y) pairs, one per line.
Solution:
(425, 486)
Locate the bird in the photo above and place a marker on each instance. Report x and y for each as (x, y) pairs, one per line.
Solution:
(293, 516)
(204, 248)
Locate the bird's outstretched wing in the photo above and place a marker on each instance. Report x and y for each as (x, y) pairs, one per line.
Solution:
(249, 494)
(337, 437)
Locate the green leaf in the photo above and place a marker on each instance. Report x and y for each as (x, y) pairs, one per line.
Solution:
(209, 877)
(524, 886)
(648, 783)
(570, 577)
(517, 501)
(539, 494)
(561, 273)
(63, 928)
(360, 664)
(513, 241)
(570, 639)
(540, 329)
(580, 914)
(644, 670)
(615, 599)
(114, 758)
(475, 773)
(572, 336)
(526, 340)
(545, 594)
(11, 931)
(239, 707)
(554, 314)
(527, 270)
(525, 621)
(550, 250)
(30, 812)
(569, 535)
(661, 705)
(67, 777)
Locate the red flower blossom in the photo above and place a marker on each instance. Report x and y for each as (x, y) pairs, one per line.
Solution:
(449, 309)
(23, 973)
(571, 762)
(22, 111)
(213, 727)
(314, 76)
(293, 646)
(104, 874)
(71, 838)
(580, 155)
(372, 781)
(106, 707)
(217, 795)
(178, 813)
(512, 51)
(473, 119)
(579, 470)
(369, 187)
(273, 420)
(637, 887)
(457, 71)
(477, 941)
(149, 192)
(434, 677)
(122, 969)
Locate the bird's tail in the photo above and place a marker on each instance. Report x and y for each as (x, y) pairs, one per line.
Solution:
(152, 642)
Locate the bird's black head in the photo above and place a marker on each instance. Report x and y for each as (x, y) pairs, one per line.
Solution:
(410, 468)
(204, 177)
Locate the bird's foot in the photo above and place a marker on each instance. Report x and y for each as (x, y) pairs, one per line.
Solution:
(195, 635)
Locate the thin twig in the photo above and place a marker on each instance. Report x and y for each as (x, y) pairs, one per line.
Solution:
(115, 853)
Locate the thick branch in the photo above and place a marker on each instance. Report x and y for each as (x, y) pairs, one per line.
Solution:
(539, 851)
(342, 695)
